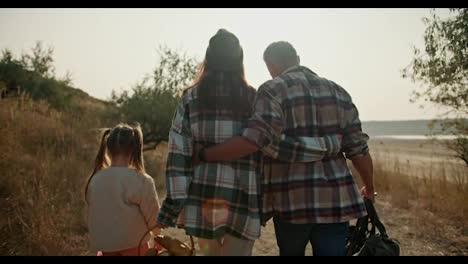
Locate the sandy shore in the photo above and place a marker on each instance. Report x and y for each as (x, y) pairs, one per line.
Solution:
(417, 157)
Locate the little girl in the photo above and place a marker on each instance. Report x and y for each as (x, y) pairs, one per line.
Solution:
(121, 198)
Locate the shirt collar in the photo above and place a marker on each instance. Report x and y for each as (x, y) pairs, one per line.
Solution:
(298, 68)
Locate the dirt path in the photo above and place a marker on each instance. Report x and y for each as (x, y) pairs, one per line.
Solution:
(419, 233)
(423, 233)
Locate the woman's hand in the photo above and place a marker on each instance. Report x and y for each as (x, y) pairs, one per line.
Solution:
(160, 225)
(156, 231)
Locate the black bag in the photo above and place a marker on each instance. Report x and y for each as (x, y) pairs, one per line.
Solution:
(363, 241)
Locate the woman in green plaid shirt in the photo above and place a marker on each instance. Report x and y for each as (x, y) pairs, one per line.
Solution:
(221, 202)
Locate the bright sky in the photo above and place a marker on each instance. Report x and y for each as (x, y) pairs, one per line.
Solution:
(363, 50)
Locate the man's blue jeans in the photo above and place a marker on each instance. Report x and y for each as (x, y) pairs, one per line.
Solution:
(326, 239)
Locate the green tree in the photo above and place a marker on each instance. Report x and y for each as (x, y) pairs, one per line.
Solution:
(34, 73)
(443, 69)
(152, 101)
(41, 61)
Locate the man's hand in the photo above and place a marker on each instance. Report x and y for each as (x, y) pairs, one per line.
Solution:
(231, 149)
(196, 150)
(367, 193)
(365, 168)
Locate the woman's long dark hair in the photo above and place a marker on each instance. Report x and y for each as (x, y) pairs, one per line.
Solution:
(220, 81)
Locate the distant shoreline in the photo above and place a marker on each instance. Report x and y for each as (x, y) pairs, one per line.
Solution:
(415, 137)
(416, 129)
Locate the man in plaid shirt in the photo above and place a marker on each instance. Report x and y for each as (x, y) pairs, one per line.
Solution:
(309, 201)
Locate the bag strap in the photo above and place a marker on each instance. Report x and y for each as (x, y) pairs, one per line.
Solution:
(374, 217)
(359, 235)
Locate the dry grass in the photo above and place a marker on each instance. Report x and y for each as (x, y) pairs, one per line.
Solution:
(425, 203)
(46, 156)
(440, 188)
(45, 159)
(155, 165)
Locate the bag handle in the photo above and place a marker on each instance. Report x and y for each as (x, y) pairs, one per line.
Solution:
(192, 243)
(361, 231)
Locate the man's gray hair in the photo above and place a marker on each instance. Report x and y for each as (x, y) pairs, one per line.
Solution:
(280, 53)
